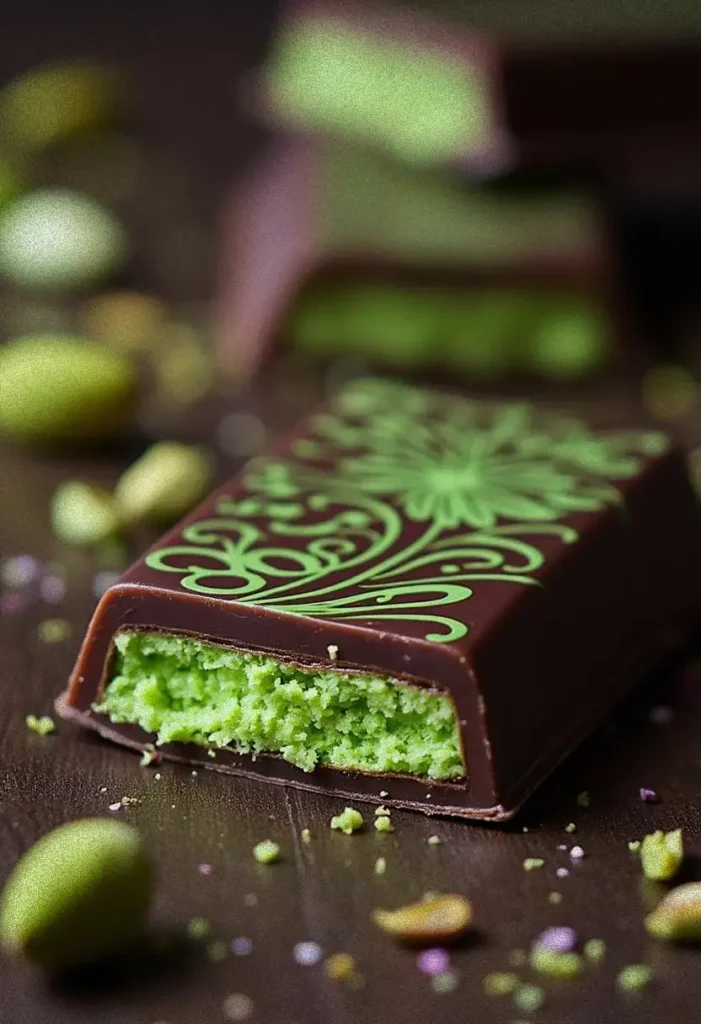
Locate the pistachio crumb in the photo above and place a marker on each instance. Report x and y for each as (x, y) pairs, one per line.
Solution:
(332, 651)
(444, 983)
(198, 928)
(339, 967)
(533, 863)
(678, 916)
(634, 977)
(595, 950)
(384, 793)
(661, 855)
(217, 951)
(634, 845)
(555, 898)
(42, 726)
(500, 983)
(380, 866)
(583, 799)
(434, 840)
(53, 631)
(384, 824)
(266, 851)
(306, 836)
(381, 812)
(570, 828)
(529, 998)
(557, 965)
(348, 821)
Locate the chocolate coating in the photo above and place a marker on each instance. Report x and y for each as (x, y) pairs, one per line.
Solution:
(515, 558)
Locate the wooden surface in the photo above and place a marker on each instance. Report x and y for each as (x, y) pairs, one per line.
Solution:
(325, 891)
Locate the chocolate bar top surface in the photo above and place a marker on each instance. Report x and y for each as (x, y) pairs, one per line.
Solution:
(416, 514)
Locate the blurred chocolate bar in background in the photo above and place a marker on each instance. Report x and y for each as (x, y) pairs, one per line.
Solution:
(337, 251)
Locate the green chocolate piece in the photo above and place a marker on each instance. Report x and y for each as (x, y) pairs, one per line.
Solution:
(81, 892)
(185, 690)
(59, 240)
(163, 484)
(419, 106)
(677, 918)
(60, 388)
(82, 514)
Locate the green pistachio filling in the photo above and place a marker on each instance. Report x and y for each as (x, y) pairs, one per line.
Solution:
(184, 690)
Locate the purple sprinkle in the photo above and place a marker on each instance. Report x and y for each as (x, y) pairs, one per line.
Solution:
(558, 940)
(103, 581)
(562, 872)
(52, 589)
(307, 953)
(205, 869)
(648, 796)
(661, 715)
(242, 946)
(12, 604)
(433, 961)
(20, 571)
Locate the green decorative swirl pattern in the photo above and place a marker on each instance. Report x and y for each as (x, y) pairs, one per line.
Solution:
(398, 502)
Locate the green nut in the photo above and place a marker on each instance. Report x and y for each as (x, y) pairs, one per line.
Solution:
(677, 918)
(59, 240)
(55, 102)
(60, 388)
(82, 514)
(661, 855)
(163, 484)
(81, 892)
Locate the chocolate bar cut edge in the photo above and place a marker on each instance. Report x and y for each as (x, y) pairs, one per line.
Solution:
(520, 709)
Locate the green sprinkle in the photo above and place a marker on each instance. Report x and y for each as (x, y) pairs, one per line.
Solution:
(42, 726)
(383, 824)
(306, 836)
(380, 866)
(266, 852)
(533, 863)
(634, 845)
(529, 998)
(584, 799)
(348, 821)
(434, 840)
(595, 950)
(555, 898)
(198, 928)
(570, 828)
(634, 977)
(445, 982)
(557, 965)
(661, 855)
(53, 631)
(500, 983)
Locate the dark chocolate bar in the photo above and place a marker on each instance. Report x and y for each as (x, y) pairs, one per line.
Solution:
(416, 598)
(340, 252)
(489, 86)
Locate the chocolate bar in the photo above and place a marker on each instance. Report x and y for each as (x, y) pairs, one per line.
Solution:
(336, 252)
(416, 598)
(491, 87)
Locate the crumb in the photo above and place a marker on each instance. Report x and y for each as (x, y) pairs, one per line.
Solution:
(433, 961)
(584, 799)
(266, 852)
(648, 796)
(198, 928)
(339, 967)
(53, 631)
(555, 898)
(444, 983)
(238, 1007)
(434, 840)
(634, 845)
(348, 821)
(595, 950)
(563, 872)
(576, 853)
(149, 756)
(501, 983)
(242, 946)
(42, 726)
(533, 863)
(380, 866)
(217, 951)
(570, 828)
(529, 998)
(332, 650)
(384, 793)
(307, 953)
(306, 836)
(634, 977)
(205, 869)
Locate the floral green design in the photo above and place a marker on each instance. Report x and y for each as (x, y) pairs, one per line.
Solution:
(322, 531)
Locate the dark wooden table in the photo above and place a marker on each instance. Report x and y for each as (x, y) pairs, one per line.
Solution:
(325, 891)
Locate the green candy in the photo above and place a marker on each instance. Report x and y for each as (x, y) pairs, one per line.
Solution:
(83, 891)
(58, 388)
(59, 240)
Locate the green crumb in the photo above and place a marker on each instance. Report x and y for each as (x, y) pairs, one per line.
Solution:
(661, 855)
(348, 821)
(570, 828)
(529, 998)
(383, 824)
(584, 799)
(518, 957)
(306, 836)
(501, 983)
(266, 852)
(198, 928)
(677, 917)
(380, 866)
(634, 845)
(42, 726)
(595, 950)
(217, 951)
(634, 977)
(557, 965)
(383, 793)
(555, 898)
(382, 811)
(148, 757)
(185, 690)
(444, 983)
(434, 840)
(53, 631)
(533, 863)
(340, 967)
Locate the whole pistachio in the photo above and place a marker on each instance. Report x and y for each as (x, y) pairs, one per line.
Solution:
(661, 855)
(163, 484)
(83, 514)
(81, 892)
(438, 919)
(678, 915)
(56, 388)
